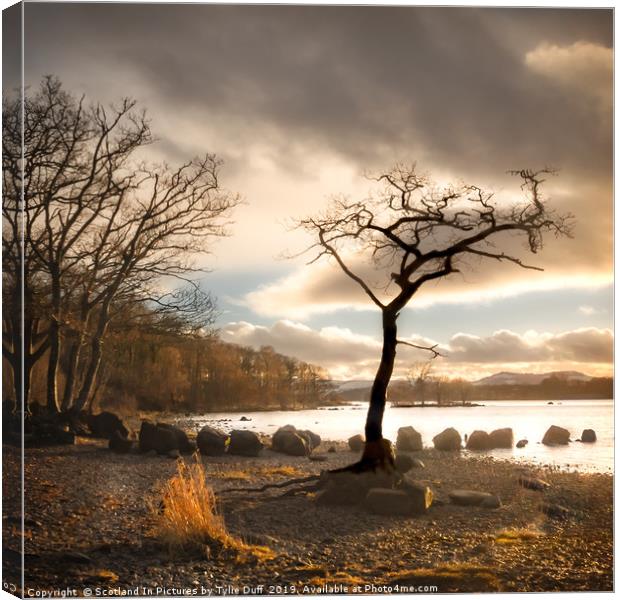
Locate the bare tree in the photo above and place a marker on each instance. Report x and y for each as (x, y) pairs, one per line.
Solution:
(416, 232)
(89, 228)
(418, 378)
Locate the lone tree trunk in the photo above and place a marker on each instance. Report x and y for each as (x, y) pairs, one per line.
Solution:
(375, 449)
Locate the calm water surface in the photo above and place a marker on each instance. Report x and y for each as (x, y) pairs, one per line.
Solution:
(528, 419)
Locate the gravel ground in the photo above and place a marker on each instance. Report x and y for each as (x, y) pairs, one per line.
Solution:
(89, 527)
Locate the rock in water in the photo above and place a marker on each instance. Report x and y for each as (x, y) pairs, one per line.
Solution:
(474, 498)
(588, 436)
(502, 438)
(244, 443)
(120, 444)
(356, 443)
(408, 440)
(521, 443)
(211, 441)
(556, 436)
(156, 438)
(479, 440)
(288, 440)
(383, 501)
(449, 439)
(183, 443)
(106, 424)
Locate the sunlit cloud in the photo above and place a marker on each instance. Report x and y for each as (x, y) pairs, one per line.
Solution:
(582, 67)
(349, 355)
(323, 288)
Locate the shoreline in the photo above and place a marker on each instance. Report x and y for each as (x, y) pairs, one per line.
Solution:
(89, 522)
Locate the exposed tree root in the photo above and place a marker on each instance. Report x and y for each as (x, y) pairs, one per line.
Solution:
(268, 486)
(377, 456)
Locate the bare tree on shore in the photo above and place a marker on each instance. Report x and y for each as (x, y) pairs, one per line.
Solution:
(417, 232)
(89, 227)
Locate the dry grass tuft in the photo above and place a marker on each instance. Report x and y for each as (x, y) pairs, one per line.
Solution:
(257, 472)
(515, 536)
(187, 519)
(338, 578)
(457, 577)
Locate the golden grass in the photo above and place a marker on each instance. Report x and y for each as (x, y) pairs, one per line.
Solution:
(515, 536)
(456, 577)
(188, 520)
(340, 577)
(257, 472)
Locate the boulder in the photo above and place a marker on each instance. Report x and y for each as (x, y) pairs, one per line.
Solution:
(174, 453)
(313, 439)
(49, 434)
(408, 440)
(211, 441)
(356, 443)
(448, 440)
(383, 501)
(479, 440)
(331, 449)
(521, 443)
(404, 463)
(588, 436)
(288, 440)
(106, 424)
(78, 422)
(160, 439)
(474, 498)
(420, 495)
(502, 438)
(244, 443)
(183, 444)
(556, 436)
(120, 444)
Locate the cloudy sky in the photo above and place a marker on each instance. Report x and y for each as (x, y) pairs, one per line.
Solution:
(300, 102)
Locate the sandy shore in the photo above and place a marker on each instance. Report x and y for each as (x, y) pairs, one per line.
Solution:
(89, 525)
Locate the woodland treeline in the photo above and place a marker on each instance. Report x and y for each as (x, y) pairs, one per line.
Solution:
(433, 390)
(146, 367)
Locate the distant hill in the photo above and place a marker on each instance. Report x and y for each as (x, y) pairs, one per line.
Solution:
(507, 378)
(353, 384)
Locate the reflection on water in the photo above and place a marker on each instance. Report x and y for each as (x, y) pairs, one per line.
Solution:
(528, 419)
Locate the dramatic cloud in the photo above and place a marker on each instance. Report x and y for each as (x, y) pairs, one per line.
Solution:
(346, 354)
(300, 100)
(323, 287)
(582, 67)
